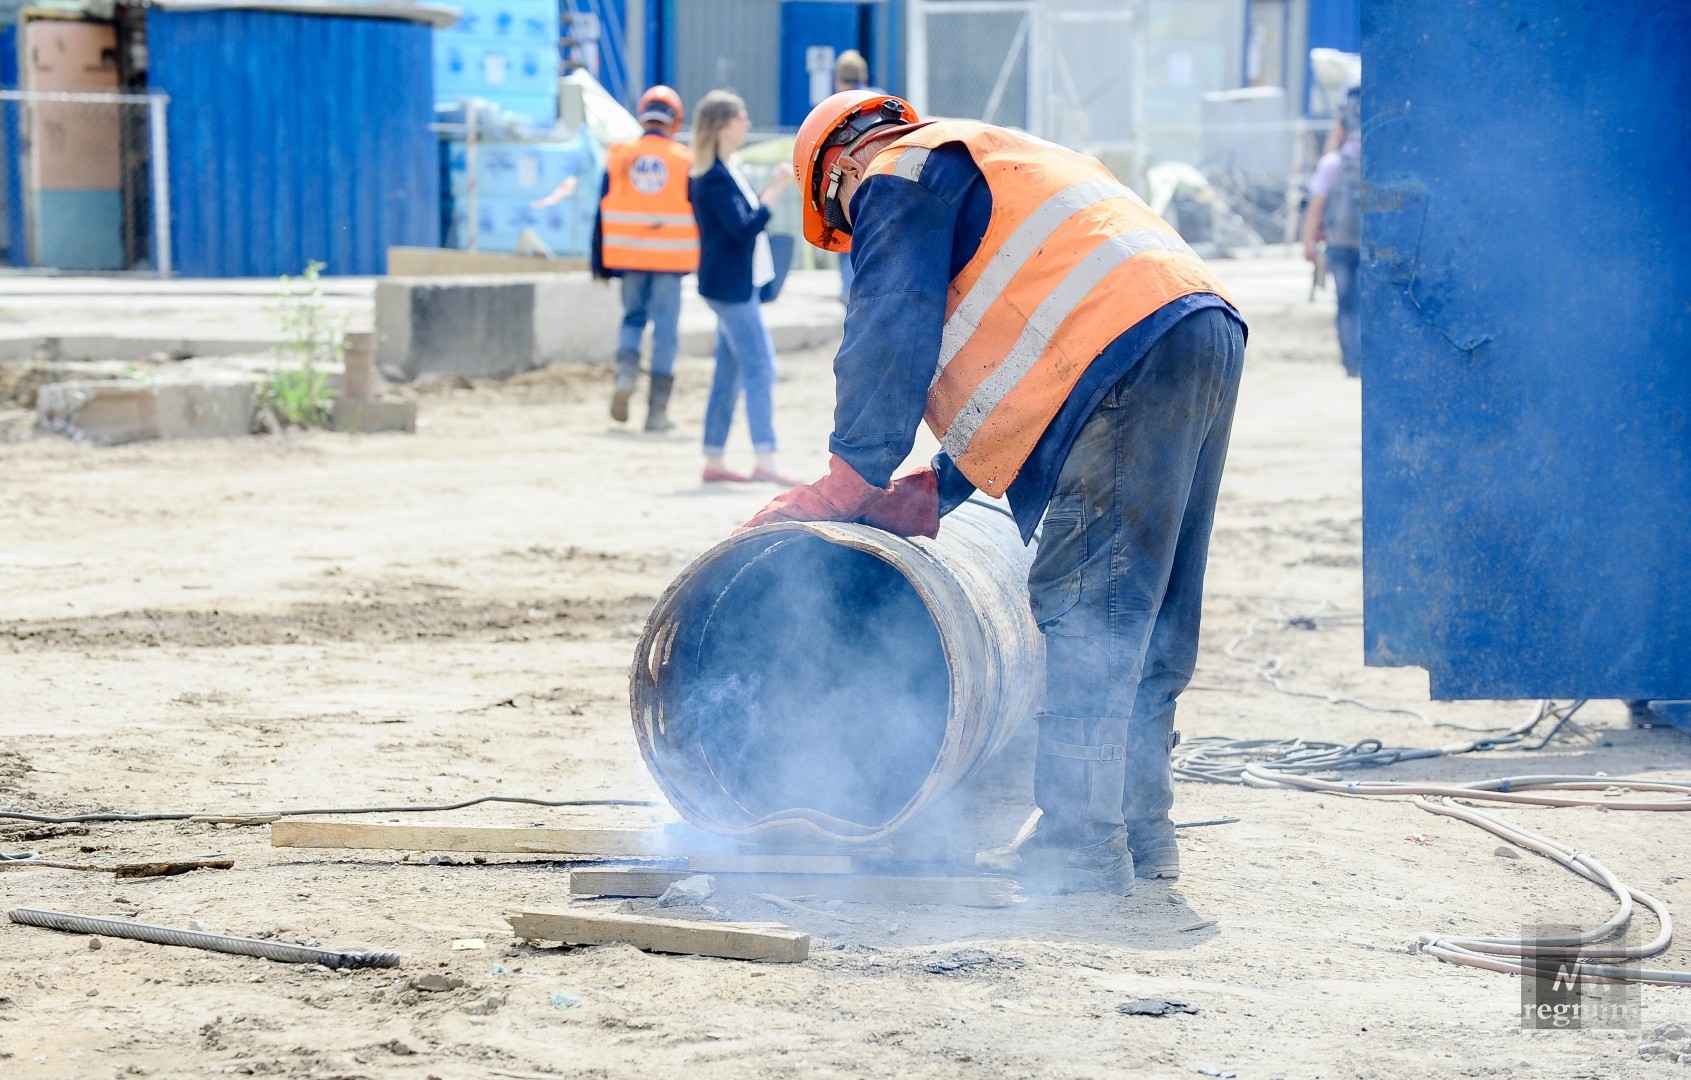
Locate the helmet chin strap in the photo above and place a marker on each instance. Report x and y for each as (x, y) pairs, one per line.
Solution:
(833, 211)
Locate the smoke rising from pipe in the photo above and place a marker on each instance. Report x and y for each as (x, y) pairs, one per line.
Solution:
(817, 681)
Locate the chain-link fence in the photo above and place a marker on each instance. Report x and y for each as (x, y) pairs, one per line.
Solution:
(87, 180)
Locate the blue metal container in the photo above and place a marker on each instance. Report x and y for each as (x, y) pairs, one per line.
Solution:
(297, 137)
(1527, 346)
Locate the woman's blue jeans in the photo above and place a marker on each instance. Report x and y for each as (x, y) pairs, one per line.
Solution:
(745, 359)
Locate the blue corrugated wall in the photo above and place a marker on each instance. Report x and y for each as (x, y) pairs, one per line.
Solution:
(295, 137)
(17, 246)
(1526, 341)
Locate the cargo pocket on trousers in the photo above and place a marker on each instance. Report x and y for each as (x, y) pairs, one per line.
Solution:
(1054, 579)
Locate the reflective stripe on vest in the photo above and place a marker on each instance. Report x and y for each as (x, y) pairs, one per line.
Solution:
(1071, 260)
(645, 220)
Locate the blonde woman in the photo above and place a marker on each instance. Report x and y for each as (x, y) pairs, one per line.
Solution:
(734, 263)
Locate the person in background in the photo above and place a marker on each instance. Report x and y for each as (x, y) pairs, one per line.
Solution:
(851, 72)
(734, 263)
(1334, 217)
(1074, 356)
(644, 233)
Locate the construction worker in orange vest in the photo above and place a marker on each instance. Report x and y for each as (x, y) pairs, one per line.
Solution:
(645, 234)
(1072, 354)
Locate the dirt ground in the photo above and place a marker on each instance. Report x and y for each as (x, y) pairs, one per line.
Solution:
(322, 620)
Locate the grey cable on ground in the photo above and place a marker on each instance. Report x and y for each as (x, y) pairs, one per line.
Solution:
(1522, 956)
(1217, 759)
(80, 819)
(199, 939)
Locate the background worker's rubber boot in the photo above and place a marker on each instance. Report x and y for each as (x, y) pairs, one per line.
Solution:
(1049, 860)
(627, 370)
(657, 404)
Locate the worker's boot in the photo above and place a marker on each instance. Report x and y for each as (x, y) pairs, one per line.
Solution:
(1149, 795)
(1049, 859)
(627, 371)
(1070, 844)
(657, 404)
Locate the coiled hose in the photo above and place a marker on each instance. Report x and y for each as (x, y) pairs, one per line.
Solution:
(199, 939)
(1523, 956)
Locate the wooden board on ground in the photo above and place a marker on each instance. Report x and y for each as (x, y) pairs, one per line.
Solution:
(978, 891)
(172, 867)
(483, 838)
(735, 941)
(644, 843)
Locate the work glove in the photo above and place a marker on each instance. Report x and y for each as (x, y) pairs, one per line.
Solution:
(910, 507)
(842, 495)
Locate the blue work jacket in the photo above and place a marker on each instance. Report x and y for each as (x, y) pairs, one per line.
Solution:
(909, 239)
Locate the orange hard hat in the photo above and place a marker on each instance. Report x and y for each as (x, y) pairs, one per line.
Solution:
(831, 129)
(660, 103)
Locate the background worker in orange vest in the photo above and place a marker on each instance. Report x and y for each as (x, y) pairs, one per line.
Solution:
(645, 233)
(1070, 352)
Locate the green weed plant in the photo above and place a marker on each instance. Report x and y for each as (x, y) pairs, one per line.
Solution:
(315, 337)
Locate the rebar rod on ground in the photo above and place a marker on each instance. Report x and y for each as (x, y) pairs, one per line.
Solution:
(199, 939)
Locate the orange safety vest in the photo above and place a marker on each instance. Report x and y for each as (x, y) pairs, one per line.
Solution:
(645, 220)
(1071, 260)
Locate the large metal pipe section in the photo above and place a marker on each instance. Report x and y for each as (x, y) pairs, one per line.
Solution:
(834, 680)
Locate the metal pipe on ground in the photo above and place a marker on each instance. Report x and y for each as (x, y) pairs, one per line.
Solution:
(833, 681)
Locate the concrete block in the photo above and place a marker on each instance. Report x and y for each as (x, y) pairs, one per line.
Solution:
(205, 409)
(102, 413)
(493, 326)
(575, 320)
(373, 415)
(110, 412)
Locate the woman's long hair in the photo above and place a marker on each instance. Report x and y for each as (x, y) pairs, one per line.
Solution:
(713, 111)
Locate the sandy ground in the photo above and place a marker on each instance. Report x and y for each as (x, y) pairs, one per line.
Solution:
(326, 620)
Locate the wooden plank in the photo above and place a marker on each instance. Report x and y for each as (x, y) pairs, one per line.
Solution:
(172, 867)
(769, 864)
(430, 262)
(979, 891)
(742, 941)
(487, 838)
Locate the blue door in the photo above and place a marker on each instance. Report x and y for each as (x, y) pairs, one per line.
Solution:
(813, 34)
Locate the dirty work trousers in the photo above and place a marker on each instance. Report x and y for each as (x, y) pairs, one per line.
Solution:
(651, 297)
(1344, 263)
(745, 360)
(1117, 583)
